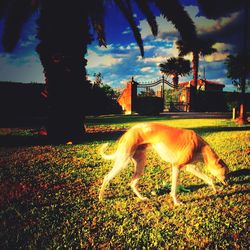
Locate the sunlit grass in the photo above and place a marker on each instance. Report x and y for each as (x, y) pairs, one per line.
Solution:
(49, 195)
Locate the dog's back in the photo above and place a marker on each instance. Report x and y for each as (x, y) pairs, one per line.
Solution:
(174, 145)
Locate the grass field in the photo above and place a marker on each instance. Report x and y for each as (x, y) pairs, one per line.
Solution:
(49, 194)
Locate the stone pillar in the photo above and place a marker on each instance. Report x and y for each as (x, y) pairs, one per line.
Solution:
(133, 95)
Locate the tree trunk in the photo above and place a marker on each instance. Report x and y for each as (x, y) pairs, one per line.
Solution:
(195, 66)
(242, 119)
(175, 81)
(63, 44)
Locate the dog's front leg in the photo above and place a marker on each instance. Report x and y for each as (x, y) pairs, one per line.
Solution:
(192, 169)
(175, 176)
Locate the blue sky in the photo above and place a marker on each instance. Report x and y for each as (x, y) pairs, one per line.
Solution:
(121, 59)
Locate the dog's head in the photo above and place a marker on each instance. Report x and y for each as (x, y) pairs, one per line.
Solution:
(219, 169)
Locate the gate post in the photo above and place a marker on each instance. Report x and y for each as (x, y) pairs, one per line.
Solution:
(192, 98)
(162, 94)
(133, 94)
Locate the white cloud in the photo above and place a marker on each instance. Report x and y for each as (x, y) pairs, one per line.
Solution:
(23, 69)
(148, 47)
(154, 59)
(28, 41)
(160, 53)
(126, 31)
(128, 47)
(95, 60)
(103, 48)
(163, 26)
(205, 25)
(216, 57)
(145, 69)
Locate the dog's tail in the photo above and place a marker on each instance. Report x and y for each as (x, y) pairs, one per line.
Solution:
(104, 155)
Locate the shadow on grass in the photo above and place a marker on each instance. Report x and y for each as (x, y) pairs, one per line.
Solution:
(123, 119)
(238, 173)
(192, 188)
(114, 119)
(230, 176)
(36, 140)
(101, 135)
(212, 129)
(15, 140)
(222, 196)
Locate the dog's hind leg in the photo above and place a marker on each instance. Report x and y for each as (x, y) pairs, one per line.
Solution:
(192, 169)
(139, 160)
(118, 166)
(175, 176)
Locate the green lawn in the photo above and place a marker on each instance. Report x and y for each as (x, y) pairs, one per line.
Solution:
(49, 194)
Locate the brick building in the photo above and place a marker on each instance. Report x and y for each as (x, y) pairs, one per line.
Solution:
(202, 85)
(128, 97)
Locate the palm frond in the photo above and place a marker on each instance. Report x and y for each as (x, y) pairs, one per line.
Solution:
(206, 47)
(175, 65)
(127, 12)
(184, 47)
(223, 7)
(149, 16)
(174, 12)
(18, 14)
(96, 12)
(203, 47)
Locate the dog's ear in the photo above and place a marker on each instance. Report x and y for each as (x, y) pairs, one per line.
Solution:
(221, 163)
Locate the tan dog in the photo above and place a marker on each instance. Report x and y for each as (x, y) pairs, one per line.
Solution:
(180, 147)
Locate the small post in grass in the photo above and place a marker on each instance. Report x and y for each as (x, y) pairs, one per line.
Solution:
(234, 113)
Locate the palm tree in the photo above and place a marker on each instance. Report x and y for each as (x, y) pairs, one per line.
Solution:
(175, 67)
(197, 47)
(237, 67)
(63, 30)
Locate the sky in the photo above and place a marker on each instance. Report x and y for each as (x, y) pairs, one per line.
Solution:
(121, 59)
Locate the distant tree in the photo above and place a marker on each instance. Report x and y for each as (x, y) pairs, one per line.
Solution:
(98, 79)
(105, 88)
(148, 92)
(103, 100)
(175, 67)
(110, 92)
(238, 66)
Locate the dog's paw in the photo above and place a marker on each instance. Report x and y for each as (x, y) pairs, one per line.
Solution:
(178, 203)
(100, 197)
(142, 198)
(214, 190)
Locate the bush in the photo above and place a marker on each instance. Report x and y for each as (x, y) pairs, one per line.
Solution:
(220, 101)
(99, 103)
(211, 101)
(149, 105)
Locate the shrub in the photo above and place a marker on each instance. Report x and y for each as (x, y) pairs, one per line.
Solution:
(149, 105)
(211, 101)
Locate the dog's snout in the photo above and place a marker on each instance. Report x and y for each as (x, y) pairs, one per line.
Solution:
(225, 182)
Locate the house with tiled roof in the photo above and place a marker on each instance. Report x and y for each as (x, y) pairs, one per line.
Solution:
(202, 85)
